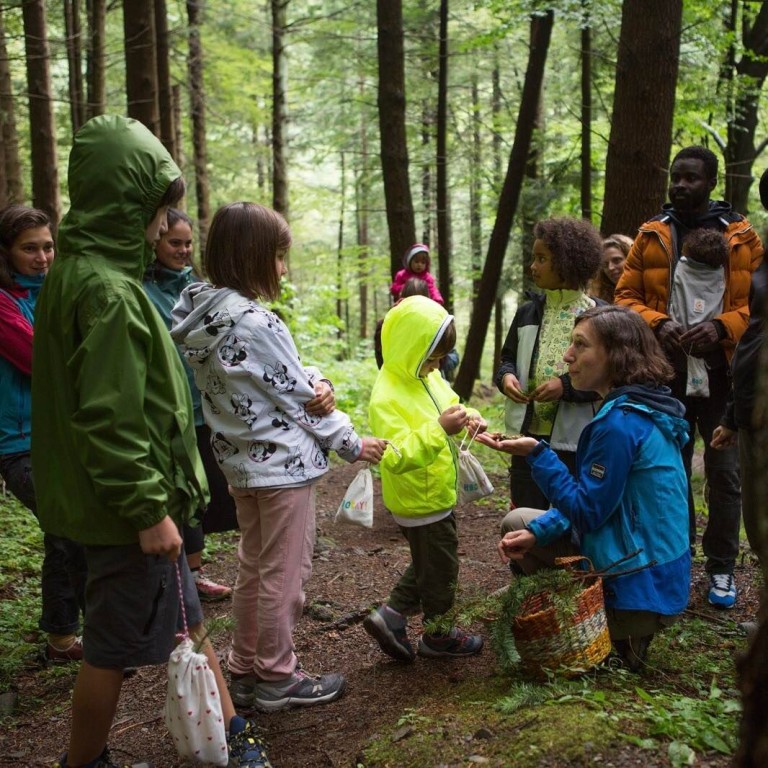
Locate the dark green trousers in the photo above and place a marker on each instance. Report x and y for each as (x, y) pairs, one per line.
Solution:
(428, 584)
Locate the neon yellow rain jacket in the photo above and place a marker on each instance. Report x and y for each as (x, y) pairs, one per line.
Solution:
(419, 473)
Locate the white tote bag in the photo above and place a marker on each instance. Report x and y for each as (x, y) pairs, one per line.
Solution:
(192, 704)
(357, 505)
(473, 482)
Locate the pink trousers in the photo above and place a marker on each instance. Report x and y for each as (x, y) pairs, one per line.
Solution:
(277, 537)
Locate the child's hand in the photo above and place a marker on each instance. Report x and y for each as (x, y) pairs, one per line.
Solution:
(324, 401)
(550, 390)
(515, 545)
(163, 538)
(373, 450)
(512, 388)
(476, 425)
(453, 419)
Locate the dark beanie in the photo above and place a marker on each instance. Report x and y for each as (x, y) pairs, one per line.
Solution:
(764, 189)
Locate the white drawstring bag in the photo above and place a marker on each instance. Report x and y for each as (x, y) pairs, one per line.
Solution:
(192, 704)
(357, 505)
(473, 482)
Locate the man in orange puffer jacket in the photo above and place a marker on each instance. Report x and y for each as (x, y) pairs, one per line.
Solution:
(645, 287)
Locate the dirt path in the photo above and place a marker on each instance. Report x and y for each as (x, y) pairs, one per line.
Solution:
(353, 568)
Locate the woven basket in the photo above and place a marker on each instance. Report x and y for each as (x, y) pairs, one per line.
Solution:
(570, 642)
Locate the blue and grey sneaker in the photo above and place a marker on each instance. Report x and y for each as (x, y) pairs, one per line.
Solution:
(390, 630)
(455, 644)
(102, 761)
(246, 745)
(722, 590)
(298, 690)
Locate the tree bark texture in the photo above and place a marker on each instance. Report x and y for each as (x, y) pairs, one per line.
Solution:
(541, 31)
(95, 58)
(444, 252)
(141, 62)
(753, 666)
(394, 146)
(362, 203)
(586, 118)
(11, 185)
(279, 108)
(45, 174)
(197, 113)
(164, 90)
(74, 42)
(637, 161)
(750, 73)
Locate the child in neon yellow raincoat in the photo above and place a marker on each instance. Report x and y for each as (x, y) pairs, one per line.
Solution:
(414, 408)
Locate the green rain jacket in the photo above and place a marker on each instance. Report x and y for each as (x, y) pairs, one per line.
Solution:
(419, 471)
(113, 439)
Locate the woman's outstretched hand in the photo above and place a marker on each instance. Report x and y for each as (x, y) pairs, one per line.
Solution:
(518, 446)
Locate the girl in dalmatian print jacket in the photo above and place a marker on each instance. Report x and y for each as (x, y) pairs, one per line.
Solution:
(273, 424)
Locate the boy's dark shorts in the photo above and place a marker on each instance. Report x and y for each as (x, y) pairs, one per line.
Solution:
(132, 606)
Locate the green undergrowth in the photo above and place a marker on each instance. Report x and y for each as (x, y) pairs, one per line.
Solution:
(682, 707)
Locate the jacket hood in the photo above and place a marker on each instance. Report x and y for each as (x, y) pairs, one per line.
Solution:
(718, 216)
(118, 172)
(410, 332)
(201, 310)
(666, 411)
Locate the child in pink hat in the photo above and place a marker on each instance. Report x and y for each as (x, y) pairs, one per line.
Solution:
(416, 264)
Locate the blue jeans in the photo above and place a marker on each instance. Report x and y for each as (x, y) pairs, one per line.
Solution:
(720, 541)
(64, 567)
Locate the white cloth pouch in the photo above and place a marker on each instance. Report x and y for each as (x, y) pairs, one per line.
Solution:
(473, 482)
(357, 505)
(193, 707)
(697, 383)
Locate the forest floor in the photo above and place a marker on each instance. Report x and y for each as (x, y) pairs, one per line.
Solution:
(432, 713)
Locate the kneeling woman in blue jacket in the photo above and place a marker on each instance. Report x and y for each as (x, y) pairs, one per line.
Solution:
(629, 496)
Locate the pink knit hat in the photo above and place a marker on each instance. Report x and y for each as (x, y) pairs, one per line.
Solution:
(412, 251)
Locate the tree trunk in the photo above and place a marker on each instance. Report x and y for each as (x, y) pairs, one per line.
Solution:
(45, 175)
(643, 107)
(75, 61)
(753, 666)
(541, 30)
(498, 305)
(586, 116)
(279, 108)
(95, 66)
(475, 190)
(444, 252)
(362, 201)
(141, 62)
(343, 330)
(394, 146)
(11, 186)
(427, 130)
(164, 91)
(751, 71)
(197, 113)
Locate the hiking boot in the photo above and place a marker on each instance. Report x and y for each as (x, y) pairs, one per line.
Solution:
(722, 590)
(209, 591)
(241, 689)
(455, 643)
(298, 690)
(73, 651)
(246, 746)
(102, 761)
(633, 651)
(390, 630)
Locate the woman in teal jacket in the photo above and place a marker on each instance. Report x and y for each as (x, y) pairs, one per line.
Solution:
(164, 280)
(628, 501)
